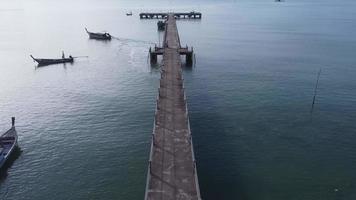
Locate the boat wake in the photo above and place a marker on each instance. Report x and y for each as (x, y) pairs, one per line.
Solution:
(127, 40)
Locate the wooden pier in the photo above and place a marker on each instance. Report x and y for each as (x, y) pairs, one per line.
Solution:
(187, 15)
(172, 173)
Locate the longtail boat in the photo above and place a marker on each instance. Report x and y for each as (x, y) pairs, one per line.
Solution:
(43, 62)
(129, 14)
(98, 36)
(8, 142)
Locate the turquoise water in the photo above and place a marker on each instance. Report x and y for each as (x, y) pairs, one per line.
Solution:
(84, 129)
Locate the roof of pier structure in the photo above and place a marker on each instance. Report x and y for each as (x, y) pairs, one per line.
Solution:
(177, 15)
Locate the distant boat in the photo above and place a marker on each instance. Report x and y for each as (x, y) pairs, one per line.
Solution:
(8, 142)
(129, 14)
(43, 62)
(98, 36)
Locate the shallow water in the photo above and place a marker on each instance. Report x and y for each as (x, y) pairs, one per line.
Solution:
(84, 129)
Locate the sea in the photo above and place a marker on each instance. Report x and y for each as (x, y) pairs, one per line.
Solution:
(85, 128)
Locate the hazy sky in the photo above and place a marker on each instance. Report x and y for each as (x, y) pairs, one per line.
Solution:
(82, 4)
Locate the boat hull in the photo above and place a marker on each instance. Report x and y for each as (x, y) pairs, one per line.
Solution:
(98, 36)
(44, 62)
(8, 144)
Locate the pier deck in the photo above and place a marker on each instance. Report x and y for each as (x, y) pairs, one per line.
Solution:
(172, 170)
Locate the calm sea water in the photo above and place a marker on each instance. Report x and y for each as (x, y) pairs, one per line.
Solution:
(84, 129)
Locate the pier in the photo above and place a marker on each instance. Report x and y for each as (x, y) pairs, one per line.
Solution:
(185, 51)
(172, 173)
(186, 15)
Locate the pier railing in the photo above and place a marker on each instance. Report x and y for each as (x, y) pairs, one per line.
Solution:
(149, 171)
(182, 15)
(191, 142)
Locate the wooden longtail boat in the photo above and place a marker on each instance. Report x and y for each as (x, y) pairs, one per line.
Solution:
(98, 36)
(8, 142)
(43, 62)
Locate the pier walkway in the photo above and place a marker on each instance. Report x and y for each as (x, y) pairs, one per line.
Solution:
(172, 173)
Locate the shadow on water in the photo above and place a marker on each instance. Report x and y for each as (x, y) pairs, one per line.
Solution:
(214, 150)
(215, 182)
(15, 155)
(39, 66)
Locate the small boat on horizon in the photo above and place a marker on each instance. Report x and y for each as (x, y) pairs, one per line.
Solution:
(98, 36)
(44, 62)
(8, 143)
(129, 14)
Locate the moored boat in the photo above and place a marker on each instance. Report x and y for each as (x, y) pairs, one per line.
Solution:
(161, 25)
(8, 143)
(98, 36)
(42, 61)
(129, 14)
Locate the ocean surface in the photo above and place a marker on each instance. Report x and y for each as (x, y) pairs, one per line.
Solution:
(84, 128)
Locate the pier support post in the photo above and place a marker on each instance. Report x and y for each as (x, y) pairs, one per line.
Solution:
(153, 56)
(189, 58)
